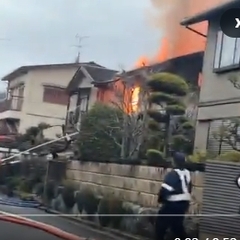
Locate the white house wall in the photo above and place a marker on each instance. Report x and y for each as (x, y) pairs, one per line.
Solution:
(19, 80)
(86, 83)
(218, 97)
(215, 87)
(219, 111)
(34, 109)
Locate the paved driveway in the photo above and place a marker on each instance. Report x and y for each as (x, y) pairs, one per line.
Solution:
(56, 221)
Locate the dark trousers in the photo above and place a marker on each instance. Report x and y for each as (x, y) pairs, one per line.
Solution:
(171, 216)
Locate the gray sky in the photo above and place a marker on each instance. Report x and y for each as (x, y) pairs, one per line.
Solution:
(42, 31)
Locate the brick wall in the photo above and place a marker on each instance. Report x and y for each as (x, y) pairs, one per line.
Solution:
(137, 184)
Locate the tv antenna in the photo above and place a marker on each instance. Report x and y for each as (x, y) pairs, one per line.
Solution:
(79, 46)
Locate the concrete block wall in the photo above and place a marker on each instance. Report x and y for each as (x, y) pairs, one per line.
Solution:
(136, 184)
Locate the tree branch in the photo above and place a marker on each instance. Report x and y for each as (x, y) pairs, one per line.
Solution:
(111, 135)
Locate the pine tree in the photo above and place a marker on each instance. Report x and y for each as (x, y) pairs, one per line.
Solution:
(166, 101)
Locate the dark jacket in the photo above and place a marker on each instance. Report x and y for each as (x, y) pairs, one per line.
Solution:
(172, 186)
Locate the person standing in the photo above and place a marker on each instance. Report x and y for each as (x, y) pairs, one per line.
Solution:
(175, 196)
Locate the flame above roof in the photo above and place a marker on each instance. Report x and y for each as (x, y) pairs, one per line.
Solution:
(187, 66)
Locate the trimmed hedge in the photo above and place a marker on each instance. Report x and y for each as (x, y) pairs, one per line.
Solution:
(68, 194)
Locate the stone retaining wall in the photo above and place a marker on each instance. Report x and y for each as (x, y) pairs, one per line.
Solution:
(136, 184)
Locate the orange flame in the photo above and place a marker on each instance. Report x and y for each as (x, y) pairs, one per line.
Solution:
(162, 55)
(142, 61)
(135, 99)
(178, 40)
(163, 52)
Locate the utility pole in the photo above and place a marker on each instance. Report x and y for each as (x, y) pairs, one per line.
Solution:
(79, 46)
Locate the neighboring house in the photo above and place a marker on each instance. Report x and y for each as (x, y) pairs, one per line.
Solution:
(82, 91)
(36, 94)
(91, 84)
(219, 99)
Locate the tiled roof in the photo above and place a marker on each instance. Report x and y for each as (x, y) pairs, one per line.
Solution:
(98, 74)
(101, 74)
(187, 66)
(24, 69)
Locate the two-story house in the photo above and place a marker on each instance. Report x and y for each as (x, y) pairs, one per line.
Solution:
(219, 99)
(36, 94)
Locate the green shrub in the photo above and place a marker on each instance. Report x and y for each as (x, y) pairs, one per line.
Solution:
(111, 205)
(187, 125)
(153, 125)
(80, 201)
(94, 136)
(178, 142)
(103, 209)
(199, 157)
(59, 190)
(175, 109)
(231, 156)
(56, 204)
(39, 188)
(25, 186)
(68, 195)
(50, 190)
(26, 196)
(12, 184)
(3, 189)
(154, 157)
(168, 83)
(33, 181)
(86, 200)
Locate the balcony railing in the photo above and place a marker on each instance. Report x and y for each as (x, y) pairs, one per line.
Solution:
(14, 103)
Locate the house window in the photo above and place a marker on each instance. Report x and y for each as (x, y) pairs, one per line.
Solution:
(227, 52)
(55, 95)
(84, 100)
(223, 135)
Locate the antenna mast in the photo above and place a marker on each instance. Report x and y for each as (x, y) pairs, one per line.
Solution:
(79, 46)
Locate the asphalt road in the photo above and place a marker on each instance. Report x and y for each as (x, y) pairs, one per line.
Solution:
(53, 220)
(19, 232)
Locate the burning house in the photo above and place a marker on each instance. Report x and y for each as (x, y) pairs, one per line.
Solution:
(188, 67)
(100, 86)
(180, 53)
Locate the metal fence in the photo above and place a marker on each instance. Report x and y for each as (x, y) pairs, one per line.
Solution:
(221, 200)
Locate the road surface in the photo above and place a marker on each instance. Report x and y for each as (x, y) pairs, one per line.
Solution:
(19, 232)
(53, 220)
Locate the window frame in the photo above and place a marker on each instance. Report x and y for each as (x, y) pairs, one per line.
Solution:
(50, 97)
(229, 67)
